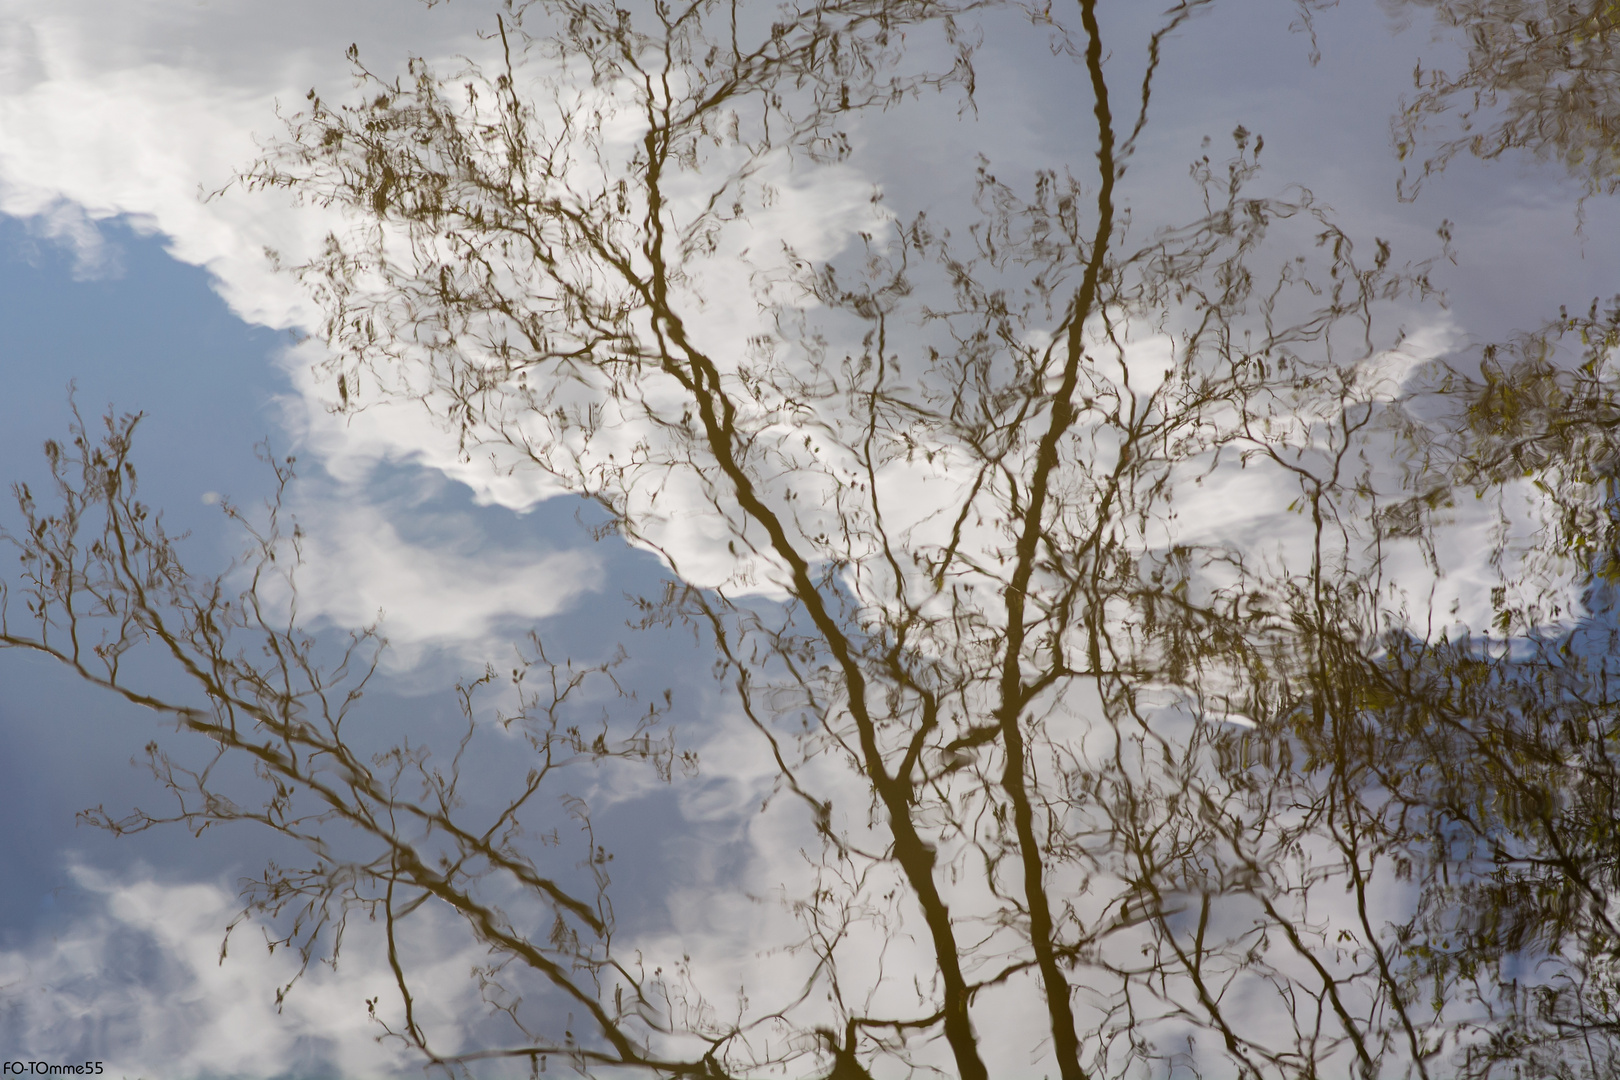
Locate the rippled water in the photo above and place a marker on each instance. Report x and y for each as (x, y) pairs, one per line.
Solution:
(876, 539)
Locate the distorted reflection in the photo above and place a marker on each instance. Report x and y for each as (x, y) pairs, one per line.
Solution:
(1160, 659)
(1539, 77)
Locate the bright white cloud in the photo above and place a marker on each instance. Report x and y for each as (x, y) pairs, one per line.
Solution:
(139, 111)
(140, 985)
(440, 589)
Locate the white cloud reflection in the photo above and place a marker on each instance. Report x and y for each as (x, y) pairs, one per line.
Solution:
(437, 590)
(137, 982)
(133, 110)
(140, 110)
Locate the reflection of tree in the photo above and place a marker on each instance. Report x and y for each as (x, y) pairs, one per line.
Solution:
(100, 563)
(1192, 802)
(1540, 76)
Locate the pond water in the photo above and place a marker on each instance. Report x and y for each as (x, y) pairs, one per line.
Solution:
(863, 540)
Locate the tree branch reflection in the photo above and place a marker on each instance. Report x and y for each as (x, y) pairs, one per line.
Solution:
(1222, 797)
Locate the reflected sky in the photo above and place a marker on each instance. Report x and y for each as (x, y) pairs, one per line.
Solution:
(133, 269)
